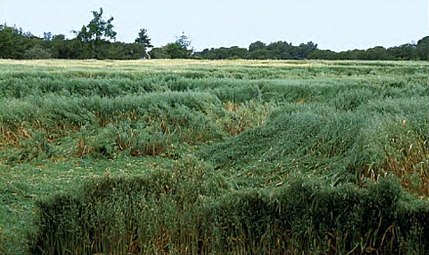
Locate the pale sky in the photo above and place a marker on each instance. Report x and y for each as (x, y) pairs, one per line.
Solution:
(332, 24)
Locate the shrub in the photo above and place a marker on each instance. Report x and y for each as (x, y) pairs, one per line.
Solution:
(37, 53)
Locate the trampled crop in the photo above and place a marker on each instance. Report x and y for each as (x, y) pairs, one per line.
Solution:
(214, 157)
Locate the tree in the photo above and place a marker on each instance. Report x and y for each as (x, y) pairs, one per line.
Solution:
(7, 42)
(423, 48)
(304, 50)
(159, 53)
(180, 48)
(14, 42)
(323, 54)
(403, 52)
(177, 49)
(97, 33)
(98, 29)
(47, 36)
(280, 50)
(184, 41)
(143, 38)
(258, 45)
(378, 53)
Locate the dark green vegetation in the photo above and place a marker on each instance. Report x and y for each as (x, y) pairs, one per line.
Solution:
(223, 157)
(309, 50)
(96, 40)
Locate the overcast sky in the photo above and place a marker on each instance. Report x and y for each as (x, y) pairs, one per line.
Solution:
(332, 24)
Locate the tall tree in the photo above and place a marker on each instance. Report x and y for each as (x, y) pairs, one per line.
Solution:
(180, 48)
(184, 41)
(144, 39)
(97, 33)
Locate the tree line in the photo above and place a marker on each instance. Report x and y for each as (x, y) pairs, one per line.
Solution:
(97, 40)
(309, 50)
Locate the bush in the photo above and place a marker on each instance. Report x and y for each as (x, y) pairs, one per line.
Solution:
(37, 53)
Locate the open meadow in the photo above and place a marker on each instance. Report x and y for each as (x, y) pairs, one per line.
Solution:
(214, 157)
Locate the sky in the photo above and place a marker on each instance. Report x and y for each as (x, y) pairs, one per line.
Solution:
(332, 24)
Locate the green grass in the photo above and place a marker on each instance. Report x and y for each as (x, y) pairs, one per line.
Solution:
(189, 157)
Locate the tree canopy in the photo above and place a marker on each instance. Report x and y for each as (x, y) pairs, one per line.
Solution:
(97, 40)
(144, 39)
(181, 48)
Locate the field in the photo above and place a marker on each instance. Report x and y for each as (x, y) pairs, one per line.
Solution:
(214, 157)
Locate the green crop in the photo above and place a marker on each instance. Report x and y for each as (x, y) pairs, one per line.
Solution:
(214, 157)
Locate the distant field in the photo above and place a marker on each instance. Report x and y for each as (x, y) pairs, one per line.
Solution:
(214, 157)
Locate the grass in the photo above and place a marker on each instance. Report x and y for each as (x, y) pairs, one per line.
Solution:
(170, 156)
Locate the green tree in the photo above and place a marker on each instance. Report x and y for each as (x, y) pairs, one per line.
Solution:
(178, 49)
(258, 45)
(159, 53)
(181, 48)
(323, 54)
(184, 41)
(14, 42)
(378, 53)
(423, 48)
(304, 49)
(96, 34)
(143, 40)
(7, 42)
(280, 50)
(47, 36)
(120, 50)
(403, 52)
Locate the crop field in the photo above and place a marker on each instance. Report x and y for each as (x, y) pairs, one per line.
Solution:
(214, 157)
